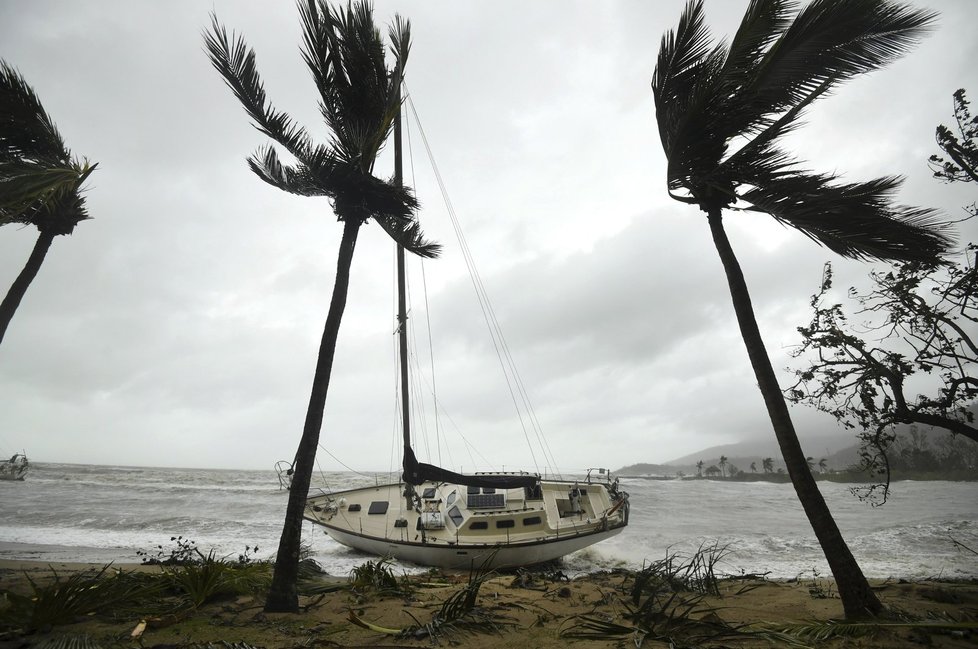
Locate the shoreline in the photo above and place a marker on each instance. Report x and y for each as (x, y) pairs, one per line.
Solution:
(531, 609)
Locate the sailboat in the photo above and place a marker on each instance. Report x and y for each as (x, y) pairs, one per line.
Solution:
(440, 518)
(15, 468)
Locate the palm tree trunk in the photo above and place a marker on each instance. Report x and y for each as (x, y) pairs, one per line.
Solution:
(19, 288)
(283, 596)
(858, 599)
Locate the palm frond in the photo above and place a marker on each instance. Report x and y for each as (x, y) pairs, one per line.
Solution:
(682, 55)
(235, 61)
(773, 70)
(40, 183)
(345, 53)
(835, 40)
(855, 220)
(27, 132)
(818, 631)
(297, 180)
(27, 186)
(409, 236)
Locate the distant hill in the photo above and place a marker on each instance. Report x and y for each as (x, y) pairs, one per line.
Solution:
(840, 450)
(741, 455)
(646, 470)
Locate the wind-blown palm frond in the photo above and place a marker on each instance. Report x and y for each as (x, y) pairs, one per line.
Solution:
(26, 130)
(359, 100)
(40, 183)
(232, 57)
(772, 71)
(856, 220)
(26, 186)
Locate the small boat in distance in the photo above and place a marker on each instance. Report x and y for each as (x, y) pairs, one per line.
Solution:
(436, 517)
(15, 468)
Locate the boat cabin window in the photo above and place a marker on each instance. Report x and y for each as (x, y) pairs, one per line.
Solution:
(451, 498)
(378, 507)
(429, 493)
(488, 490)
(479, 525)
(532, 520)
(509, 522)
(456, 516)
(472, 490)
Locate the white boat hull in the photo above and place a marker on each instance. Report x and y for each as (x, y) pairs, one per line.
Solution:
(449, 526)
(471, 556)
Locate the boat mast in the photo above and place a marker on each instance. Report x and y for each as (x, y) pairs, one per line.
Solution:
(402, 305)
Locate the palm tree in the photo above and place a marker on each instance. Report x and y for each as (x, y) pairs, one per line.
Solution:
(750, 92)
(40, 182)
(359, 101)
(699, 468)
(768, 464)
(823, 465)
(753, 467)
(722, 463)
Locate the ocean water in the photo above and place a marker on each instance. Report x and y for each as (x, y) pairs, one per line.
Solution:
(65, 512)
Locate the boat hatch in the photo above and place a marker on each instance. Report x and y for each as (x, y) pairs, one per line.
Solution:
(378, 507)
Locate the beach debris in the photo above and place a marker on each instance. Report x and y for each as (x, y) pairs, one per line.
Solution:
(137, 632)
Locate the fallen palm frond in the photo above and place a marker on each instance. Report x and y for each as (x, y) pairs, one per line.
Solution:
(69, 642)
(64, 599)
(666, 601)
(819, 631)
(460, 612)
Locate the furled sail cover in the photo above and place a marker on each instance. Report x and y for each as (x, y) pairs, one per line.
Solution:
(417, 472)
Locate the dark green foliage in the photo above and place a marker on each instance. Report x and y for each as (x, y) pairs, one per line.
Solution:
(187, 579)
(377, 577)
(39, 180)
(664, 601)
(359, 100)
(461, 612)
(62, 600)
(213, 578)
(751, 92)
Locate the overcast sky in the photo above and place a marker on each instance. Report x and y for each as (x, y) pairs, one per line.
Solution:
(180, 326)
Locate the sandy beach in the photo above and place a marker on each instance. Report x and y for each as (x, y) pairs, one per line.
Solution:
(525, 610)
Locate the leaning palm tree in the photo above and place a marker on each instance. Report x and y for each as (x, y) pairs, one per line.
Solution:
(359, 101)
(40, 182)
(711, 98)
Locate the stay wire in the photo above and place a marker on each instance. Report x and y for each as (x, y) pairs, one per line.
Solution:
(503, 352)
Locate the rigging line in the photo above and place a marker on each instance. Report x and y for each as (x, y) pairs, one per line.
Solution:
(348, 468)
(415, 371)
(424, 285)
(481, 293)
(468, 445)
(492, 322)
